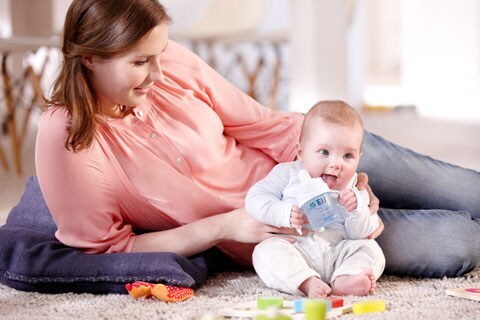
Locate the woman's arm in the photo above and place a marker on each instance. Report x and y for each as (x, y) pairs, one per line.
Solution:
(374, 205)
(77, 190)
(362, 183)
(359, 222)
(243, 118)
(205, 233)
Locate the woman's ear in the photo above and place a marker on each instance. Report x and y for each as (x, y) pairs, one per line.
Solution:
(88, 62)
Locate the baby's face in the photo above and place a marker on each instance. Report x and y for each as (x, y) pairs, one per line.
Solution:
(331, 151)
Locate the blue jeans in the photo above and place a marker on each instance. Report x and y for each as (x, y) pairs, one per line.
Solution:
(431, 210)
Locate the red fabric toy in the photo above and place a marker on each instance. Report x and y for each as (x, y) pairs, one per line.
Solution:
(140, 289)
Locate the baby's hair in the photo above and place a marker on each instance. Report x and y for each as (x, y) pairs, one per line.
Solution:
(332, 111)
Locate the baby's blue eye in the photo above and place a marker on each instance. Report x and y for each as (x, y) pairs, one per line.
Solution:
(323, 152)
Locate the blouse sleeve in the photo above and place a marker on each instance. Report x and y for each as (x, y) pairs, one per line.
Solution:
(77, 191)
(359, 223)
(246, 120)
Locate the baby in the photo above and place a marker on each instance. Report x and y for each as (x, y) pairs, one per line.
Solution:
(339, 259)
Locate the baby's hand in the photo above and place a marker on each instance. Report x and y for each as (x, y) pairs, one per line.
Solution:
(348, 199)
(297, 218)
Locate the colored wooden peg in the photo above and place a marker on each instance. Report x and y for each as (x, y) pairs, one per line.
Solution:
(299, 304)
(337, 302)
(263, 303)
(369, 306)
(315, 309)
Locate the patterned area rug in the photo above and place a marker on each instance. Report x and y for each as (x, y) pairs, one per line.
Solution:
(405, 298)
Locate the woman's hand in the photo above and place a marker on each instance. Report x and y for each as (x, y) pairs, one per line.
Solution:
(377, 231)
(200, 235)
(242, 227)
(374, 205)
(362, 183)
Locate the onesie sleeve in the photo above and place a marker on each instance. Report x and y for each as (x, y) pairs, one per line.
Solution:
(360, 223)
(246, 120)
(77, 190)
(264, 199)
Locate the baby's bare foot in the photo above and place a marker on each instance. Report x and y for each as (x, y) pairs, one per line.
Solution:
(357, 285)
(314, 287)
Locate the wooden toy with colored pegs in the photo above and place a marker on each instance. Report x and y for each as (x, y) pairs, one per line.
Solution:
(467, 293)
(279, 309)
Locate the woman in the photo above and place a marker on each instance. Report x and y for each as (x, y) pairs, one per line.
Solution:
(142, 134)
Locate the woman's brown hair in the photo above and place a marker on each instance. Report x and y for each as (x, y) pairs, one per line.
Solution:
(102, 28)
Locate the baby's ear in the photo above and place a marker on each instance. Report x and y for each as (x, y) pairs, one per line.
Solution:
(299, 151)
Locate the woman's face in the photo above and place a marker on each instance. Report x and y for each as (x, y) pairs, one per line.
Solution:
(126, 78)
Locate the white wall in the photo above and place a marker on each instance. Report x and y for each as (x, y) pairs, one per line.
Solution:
(184, 12)
(441, 58)
(318, 52)
(328, 52)
(59, 8)
(440, 41)
(438, 67)
(187, 12)
(31, 18)
(5, 20)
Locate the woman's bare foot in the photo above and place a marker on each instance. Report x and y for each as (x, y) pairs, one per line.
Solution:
(314, 287)
(357, 285)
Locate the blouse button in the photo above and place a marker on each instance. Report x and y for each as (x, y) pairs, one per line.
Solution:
(153, 135)
(179, 160)
(140, 113)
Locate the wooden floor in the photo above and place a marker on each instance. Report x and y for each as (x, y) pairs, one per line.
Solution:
(451, 142)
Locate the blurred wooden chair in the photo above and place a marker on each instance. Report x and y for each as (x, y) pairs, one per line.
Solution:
(10, 81)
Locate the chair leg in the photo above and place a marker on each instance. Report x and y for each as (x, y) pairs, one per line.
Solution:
(37, 96)
(11, 126)
(276, 76)
(3, 159)
(251, 76)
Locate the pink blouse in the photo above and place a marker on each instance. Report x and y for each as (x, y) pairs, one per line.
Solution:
(192, 150)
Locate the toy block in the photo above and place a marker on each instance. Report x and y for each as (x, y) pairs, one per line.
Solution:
(369, 306)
